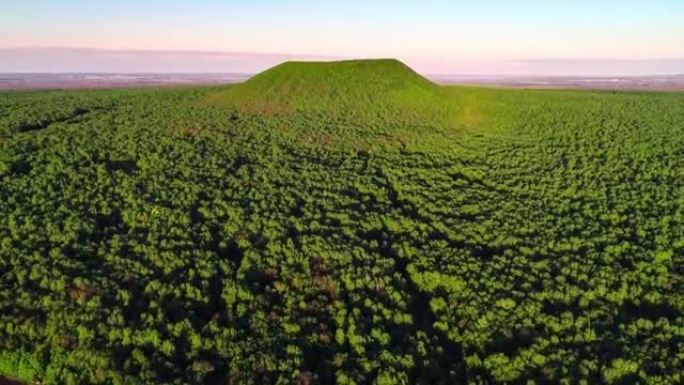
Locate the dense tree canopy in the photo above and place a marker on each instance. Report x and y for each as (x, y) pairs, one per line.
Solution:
(159, 237)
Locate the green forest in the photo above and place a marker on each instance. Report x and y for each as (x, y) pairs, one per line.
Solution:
(341, 223)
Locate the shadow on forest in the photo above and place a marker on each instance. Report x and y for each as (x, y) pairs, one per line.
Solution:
(74, 116)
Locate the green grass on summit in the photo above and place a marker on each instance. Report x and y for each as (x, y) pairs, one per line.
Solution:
(383, 90)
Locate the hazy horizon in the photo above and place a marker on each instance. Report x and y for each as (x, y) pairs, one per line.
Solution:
(93, 60)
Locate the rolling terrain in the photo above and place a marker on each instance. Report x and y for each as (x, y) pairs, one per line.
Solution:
(343, 222)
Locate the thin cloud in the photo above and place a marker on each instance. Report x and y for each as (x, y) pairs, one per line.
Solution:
(75, 59)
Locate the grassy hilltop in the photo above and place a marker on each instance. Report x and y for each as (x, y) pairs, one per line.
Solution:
(341, 223)
(378, 91)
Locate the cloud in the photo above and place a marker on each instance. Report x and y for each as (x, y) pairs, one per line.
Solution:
(62, 60)
(583, 67)
(80, 60)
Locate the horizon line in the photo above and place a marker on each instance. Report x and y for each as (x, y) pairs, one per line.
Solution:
(445, 76)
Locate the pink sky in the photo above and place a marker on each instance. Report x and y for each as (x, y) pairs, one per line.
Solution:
(13, 60)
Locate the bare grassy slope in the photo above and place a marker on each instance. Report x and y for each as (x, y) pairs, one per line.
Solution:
(369, 91)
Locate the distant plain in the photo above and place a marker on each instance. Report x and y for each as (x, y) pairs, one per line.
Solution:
(43, 81)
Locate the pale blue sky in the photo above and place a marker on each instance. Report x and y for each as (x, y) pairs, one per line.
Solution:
(444, 33)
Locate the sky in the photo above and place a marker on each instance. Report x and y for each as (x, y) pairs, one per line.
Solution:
(438, 36)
